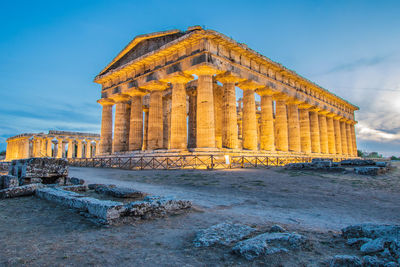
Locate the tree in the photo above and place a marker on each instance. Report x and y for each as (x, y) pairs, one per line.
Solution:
(3, 153)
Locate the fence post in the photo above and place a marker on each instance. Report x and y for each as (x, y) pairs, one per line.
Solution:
(256, 161)
(212, 162)
(242, 164)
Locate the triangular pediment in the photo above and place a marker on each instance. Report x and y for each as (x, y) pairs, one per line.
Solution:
(142, 45)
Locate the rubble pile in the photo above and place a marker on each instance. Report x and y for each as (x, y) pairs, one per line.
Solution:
(359, 166)
(380, 245)
(39, 170)
(244, 240)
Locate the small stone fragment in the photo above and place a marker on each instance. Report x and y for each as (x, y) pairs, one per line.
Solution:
(372, 261)
(373, 246)
(222, 234)
(75, 188)
(358, 242)
(277, 229)
(345, 261)
(18, 191)
(9, 181)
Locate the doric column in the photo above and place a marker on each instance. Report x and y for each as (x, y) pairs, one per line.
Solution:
(166, 101)
(249, 118)
(88, 149)
(178, 131)
(281, 124)
(267, 135)
(218, 114)
(71, 145)
(79, 152)
(331, 133)
(205, 136)
(60, 148)
(136, 123)
(293, 127)
(338, 136)
(121, 124)
(349, 139)
(305, 131)
(314, 128)
(26, 148)
(155, 124)
(229, 111)
(192, 118)
(353, 135)
(344, 136)
(323, 132)
(49, 147)
(106, 126)
(146, 127)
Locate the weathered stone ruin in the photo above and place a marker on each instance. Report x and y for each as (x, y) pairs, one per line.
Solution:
(358, 166)
(379, 245)
(248, 242)
(47, 178)
(39, 170)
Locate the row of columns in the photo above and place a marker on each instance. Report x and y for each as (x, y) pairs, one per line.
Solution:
(49, 147)
(213, 121)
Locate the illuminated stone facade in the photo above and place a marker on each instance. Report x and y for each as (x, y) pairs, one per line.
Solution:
(57, 144)
(175, 92)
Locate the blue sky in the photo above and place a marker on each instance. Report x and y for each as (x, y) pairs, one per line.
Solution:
(50, 51)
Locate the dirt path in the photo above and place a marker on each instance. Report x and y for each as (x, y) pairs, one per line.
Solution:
(314, 201)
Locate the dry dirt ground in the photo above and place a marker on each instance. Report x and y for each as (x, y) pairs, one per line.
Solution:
(317, 205)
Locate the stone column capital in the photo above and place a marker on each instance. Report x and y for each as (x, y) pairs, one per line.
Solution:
(120, 98)
(203, 69)
(249, 85)
(266, 91)
(229, 77)
(155, 85)
(177, 77)
(280, 97)
(106, 102)
(135, 91)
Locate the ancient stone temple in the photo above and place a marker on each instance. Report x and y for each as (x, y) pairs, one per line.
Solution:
(57, 144)
(178, 92)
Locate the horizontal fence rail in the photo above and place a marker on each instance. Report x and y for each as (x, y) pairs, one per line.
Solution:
(209, 162)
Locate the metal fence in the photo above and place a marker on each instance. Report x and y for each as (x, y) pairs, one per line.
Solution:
(208, 162)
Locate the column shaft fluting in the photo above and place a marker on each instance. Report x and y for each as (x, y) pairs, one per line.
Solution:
(205, 136)
(281, 127)
(338, 136)
(293, 128)
(49, 148)
(305, 135)
(70, 148)
(353, 135)
(349, 140)
(331, 135)
(344, 137)
(136, 123)
(178, 117)
(121, 126)
(315, 136)
(79, 152)
(249, 121)
(229, 128)
(267, 135)
(323, 132)
(218, 115)
(155, 127)
(146, 128)
(192, 119)
(59, 149)
(106, 130)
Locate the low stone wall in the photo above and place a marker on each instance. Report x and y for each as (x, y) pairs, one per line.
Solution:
(46, 169)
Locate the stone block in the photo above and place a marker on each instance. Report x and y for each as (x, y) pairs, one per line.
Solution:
(357, 162)
(75, 188)
(33, 180)
(372, 231)
(74, 181)
(269, 243)
(8, 181)
(155, 207)
(368, 170)
(104, 210)
(48, 169)
(345, 261)
(25, 190)
(222, 234)
(119, 192)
